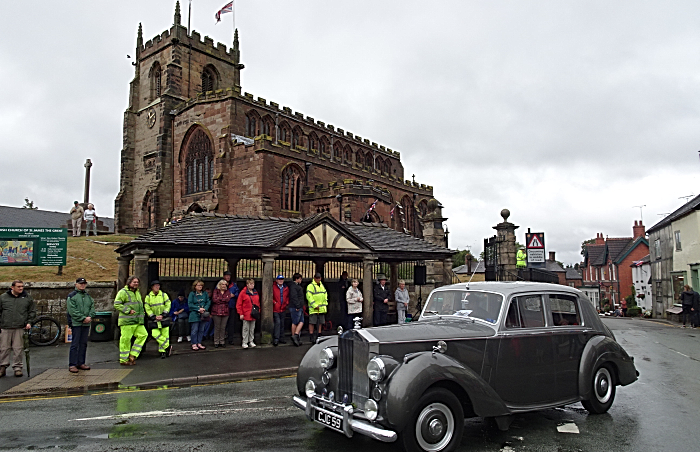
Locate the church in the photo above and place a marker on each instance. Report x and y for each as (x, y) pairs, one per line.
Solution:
(193, 141)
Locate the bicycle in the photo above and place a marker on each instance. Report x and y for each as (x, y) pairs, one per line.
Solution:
(45, 330)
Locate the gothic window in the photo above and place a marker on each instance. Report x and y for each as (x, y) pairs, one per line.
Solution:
(199, 163)
(408, 213)
(347, 156)
(209, 79)
(155, 76)
(324, 146)
(252, 124)
(297, 137)
(313, 141)
(387, 166)
(369, 163)
(285, 133)
(291, 188)
(423, 207)
(337, 152)
(268, 126)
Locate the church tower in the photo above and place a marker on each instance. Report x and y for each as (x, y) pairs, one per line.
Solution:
(169, 69)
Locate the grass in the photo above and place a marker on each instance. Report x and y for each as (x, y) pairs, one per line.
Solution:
(85, 259)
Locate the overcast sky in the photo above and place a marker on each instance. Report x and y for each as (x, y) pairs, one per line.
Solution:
(566, 113)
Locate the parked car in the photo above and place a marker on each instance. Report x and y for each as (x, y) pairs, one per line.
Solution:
(488, 349)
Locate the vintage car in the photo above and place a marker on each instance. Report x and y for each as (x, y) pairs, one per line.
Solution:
(488, 349)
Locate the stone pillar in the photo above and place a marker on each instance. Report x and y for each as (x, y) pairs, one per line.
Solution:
(394, 277)
(86, 194)
(367, 290)
(446, 271)
(123, 272)
(141, 269)
(267, 323)
(233, 268)
(505, 231)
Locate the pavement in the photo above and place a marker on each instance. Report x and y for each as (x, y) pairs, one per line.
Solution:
(50, 375)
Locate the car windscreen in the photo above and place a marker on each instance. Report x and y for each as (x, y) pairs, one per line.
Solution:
(465, 303)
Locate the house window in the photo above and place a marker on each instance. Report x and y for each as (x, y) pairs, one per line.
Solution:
(291, 188)
(657, 248)
(199, 163)
(677, 236)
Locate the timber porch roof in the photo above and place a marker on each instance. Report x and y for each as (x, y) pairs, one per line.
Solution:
(318, 236)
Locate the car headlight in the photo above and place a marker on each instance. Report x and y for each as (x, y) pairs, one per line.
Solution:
(326, 358)
(310, 388)
(376, 370)
(371, 409)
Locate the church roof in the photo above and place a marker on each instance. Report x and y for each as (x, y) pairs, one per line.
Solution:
(209, 234)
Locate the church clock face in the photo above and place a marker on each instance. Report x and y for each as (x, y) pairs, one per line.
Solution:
(151, 118)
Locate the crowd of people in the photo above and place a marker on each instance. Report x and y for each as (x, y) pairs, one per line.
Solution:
(193, 316)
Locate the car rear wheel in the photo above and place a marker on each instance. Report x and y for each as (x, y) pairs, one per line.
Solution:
(602, 392)
(436, 423)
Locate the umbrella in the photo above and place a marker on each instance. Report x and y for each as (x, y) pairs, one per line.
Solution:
(26, 351)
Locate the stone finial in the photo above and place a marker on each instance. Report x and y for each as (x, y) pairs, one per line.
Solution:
(505, 213)
(139, 37)
(178, 18)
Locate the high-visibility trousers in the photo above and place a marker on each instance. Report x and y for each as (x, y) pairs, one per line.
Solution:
(162, 336)
(125, 347)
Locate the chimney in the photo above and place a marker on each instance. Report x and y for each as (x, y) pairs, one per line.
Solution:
(551, 256)
(599, 240)
(638, 230)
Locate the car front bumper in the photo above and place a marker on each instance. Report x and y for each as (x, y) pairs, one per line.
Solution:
(350, 423)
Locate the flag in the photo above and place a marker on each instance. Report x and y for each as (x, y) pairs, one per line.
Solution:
(226, 9)
(391, 213)
(374, 204)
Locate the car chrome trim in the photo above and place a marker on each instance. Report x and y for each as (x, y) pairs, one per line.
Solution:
(371, 340)
(350, 424)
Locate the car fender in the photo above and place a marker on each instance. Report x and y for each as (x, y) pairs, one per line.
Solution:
(309, 366)
(599, 350)
(411, 379)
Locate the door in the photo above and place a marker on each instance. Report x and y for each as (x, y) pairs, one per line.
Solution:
(525, 371)
(568, 340)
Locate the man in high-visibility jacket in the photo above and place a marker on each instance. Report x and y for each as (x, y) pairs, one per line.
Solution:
(521, 259)
(128, 304)
(317, 298)
(157, 305)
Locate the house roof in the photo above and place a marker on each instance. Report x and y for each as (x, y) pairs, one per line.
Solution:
(553, 266)
(616, 246)
(17, 217)
(477, 267)
(629, 247)
(209, 234)
(595, 254)
(685, 209)
(572, 273)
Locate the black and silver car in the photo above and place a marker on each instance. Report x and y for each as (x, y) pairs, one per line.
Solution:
(488, 349)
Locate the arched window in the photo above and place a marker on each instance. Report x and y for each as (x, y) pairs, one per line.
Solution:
(324, 145)
(268, 126)
(291, 188)
(387, 166)
(285, 132)
(369, 161)
(149, 210)
(423, 207)
(347, 155)
(199, 163)
(408, 214)
(337, 152)
(252, 125)
(297, 137)
(155, 76)
(313, 141)
(209, 79)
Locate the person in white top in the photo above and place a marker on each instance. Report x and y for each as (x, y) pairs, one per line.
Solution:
(354, 299)
(402, 300)
(90, 220)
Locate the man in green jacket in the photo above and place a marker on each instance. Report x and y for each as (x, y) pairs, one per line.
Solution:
(130, 307)
(17, 311)
(157, 305)
(81, 310)
(317, 298)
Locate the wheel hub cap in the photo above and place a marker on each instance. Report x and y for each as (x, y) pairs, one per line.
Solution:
(436, 427)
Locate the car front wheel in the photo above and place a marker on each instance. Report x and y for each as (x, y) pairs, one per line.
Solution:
(436, 424)
(602, 392)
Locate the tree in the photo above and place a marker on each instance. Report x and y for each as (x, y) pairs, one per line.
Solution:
(460, 258)
(29, 204)
(583, 245)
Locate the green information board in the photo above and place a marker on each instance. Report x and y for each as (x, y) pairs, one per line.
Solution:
(33, 246)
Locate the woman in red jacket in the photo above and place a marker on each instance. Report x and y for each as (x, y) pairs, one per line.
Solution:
(246, 299)
(220, 312)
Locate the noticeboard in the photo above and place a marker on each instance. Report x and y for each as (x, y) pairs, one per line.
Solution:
(33, 246)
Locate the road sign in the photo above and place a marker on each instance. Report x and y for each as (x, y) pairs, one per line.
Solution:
(535, 256)
(535, 240)
(33, 246)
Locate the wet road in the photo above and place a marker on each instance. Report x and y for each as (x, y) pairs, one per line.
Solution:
(655, 413)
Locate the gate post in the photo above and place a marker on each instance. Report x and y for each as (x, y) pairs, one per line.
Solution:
(367, 291)
(267, 325)
(505, 231)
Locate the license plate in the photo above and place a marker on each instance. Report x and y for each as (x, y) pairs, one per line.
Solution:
(328, 419)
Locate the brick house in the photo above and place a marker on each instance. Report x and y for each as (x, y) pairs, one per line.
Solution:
(607, 263)
(194, 142)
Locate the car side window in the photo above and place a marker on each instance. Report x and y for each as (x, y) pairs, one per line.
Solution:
(564, 310)
(513, 317)
(531, 312)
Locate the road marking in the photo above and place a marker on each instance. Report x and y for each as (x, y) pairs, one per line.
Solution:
(173, 413)
(682, 354)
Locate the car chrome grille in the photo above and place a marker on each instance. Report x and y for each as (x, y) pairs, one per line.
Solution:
(353, 357)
